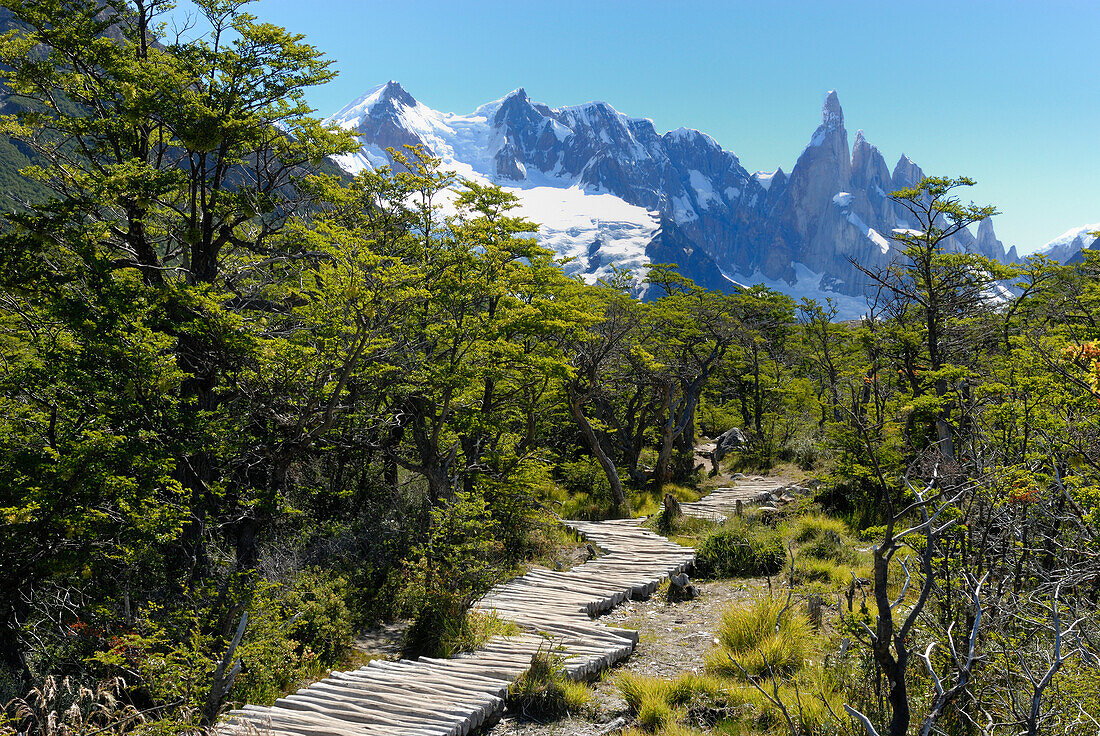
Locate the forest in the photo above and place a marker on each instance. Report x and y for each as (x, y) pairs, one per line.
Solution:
(241, 391)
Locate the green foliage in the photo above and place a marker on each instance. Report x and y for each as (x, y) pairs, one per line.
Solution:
(731, 699)
(320, 620)
(647, 697)
(741, 549)
(584, 475)
(245, 384)
(457, 564)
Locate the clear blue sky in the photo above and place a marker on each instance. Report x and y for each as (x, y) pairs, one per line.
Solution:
(1005, 92)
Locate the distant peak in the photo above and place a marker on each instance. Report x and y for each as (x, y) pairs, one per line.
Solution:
(831, 114)
(394, 91)
(518, 93)
(860, 140)
(361, 107)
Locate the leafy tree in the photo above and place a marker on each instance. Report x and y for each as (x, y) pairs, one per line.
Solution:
(172, 169)
(943, 288)
(597, 356)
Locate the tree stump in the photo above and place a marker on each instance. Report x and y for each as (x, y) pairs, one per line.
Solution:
(681, 589)
(672, 507)
(814, 608)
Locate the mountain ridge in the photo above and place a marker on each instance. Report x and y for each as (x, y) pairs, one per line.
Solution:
(681, 196)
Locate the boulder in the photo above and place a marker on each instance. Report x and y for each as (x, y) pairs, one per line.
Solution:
(727, 442)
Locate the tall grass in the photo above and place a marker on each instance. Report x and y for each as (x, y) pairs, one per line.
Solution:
(544, 692)
(759, 637)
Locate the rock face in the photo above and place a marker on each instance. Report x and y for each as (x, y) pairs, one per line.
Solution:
(609, 189)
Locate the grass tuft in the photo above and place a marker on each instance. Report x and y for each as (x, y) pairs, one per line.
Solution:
(544, 692)
(740, 549)
(749, 636)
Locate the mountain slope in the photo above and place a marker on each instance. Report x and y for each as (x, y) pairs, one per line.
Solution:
(609, 189)
(1067, 247)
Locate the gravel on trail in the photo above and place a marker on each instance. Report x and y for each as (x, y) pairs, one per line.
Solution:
(674, 640)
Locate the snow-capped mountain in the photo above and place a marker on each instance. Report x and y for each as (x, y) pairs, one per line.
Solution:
(1067, 247)
(609, 189)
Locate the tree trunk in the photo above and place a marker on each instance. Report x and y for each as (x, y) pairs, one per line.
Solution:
(576, 408)
(685, 445)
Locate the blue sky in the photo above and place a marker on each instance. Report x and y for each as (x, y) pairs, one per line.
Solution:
(1005, 92)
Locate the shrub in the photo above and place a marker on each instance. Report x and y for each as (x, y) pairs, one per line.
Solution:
(736, 549)
(446, 627)
(584, 475)
(810, 527)
(459, 562)
(321, 621)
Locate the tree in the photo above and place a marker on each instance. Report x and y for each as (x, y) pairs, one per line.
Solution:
(691, 330)
(943, 287)
(596, 356)
(173, 170)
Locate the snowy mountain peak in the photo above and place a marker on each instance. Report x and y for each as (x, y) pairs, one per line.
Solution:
(767, 178)
(610, 190)
(831, 114)
(1069, 244)
(392, 90)
(389, 96)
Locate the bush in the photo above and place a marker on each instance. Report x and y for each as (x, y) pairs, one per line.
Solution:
(811, 527)
(739, 550)
(584, 475)
(457, 564)
(321, 621)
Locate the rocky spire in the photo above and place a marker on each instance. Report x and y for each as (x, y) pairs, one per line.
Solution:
(988, 245)
(832, 116)
(906, 173)
(869, 170)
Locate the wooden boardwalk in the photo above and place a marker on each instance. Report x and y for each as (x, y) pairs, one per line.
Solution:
(452, 697)
(721, 502)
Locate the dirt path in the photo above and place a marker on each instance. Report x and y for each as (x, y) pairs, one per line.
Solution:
(673, 640)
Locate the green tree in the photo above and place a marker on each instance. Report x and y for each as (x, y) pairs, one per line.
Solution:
(943, 288)
(148, 278)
